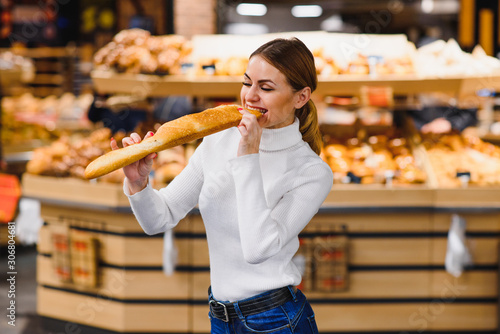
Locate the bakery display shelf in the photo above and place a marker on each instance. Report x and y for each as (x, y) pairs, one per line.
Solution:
(410, 84)
(42, 52)
(72, 190)
(25, 146)
(68, 191)
(157, 86)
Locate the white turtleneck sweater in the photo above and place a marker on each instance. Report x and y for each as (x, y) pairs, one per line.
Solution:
(253, 207)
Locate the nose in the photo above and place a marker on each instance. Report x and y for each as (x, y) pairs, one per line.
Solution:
(251, 94)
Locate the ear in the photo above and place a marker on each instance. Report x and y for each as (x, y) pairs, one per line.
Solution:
(301, 97)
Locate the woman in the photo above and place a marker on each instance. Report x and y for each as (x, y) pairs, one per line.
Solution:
(257, 187)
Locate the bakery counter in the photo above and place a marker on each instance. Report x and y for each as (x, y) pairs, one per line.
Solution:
(382, 263)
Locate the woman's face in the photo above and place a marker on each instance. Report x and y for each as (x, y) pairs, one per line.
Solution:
(266, 89)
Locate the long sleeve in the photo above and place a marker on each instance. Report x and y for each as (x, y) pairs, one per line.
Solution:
(160, 210)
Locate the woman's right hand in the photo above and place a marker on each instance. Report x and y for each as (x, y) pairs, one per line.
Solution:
(137, 172)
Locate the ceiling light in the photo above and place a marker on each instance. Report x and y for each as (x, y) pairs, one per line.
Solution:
(251, 9)
(307, 11)
(427, 6)
(333, 23)
(246, 29)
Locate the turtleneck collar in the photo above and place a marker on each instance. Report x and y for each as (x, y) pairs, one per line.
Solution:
(282, 138)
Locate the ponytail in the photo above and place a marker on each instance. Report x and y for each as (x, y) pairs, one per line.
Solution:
(308, 126)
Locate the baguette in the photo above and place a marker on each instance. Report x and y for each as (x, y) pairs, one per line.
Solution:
(179, 131)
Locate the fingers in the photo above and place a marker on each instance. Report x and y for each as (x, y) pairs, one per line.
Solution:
(135, 138)
(113, 144)
(251, 132)
(248, 121)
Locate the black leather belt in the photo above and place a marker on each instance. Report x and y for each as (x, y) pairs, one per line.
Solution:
(226, 311)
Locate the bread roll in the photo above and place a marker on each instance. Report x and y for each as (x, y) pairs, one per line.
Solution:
(179, 131)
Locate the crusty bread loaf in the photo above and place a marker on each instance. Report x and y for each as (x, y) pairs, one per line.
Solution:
(179, 131)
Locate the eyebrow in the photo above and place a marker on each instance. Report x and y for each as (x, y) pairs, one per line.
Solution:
(261, 81)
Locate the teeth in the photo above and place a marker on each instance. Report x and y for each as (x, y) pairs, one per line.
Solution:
(261, 110)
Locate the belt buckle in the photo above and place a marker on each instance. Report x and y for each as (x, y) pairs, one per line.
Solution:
(213, 301)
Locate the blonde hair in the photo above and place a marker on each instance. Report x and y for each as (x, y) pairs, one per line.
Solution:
(292, 58)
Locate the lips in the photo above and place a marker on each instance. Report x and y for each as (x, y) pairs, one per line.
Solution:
(261, 110)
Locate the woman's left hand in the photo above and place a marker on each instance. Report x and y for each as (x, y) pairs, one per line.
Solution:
(251, 132)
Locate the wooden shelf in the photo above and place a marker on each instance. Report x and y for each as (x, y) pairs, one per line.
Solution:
(406, 85)
(158, 86)
(220, 86)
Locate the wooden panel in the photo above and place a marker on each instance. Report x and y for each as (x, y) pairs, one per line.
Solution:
(74, 190)
(408, 317)
(200, 320)
(387, 222)
(483, 250)
(367, 196)
(382, 284)
(475, 222)
(489, 222)
(101, 219)
(112, 315)
(97, 219)
(362, 284)
(197, 225)
(362, 251)
(390, 251)
(201, 282)
(469, 284)
(460, 316)
(126, 250)
(471, 197)
(200, 252)
(123, 284)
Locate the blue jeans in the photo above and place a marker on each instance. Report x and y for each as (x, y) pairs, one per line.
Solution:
(295, 316)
